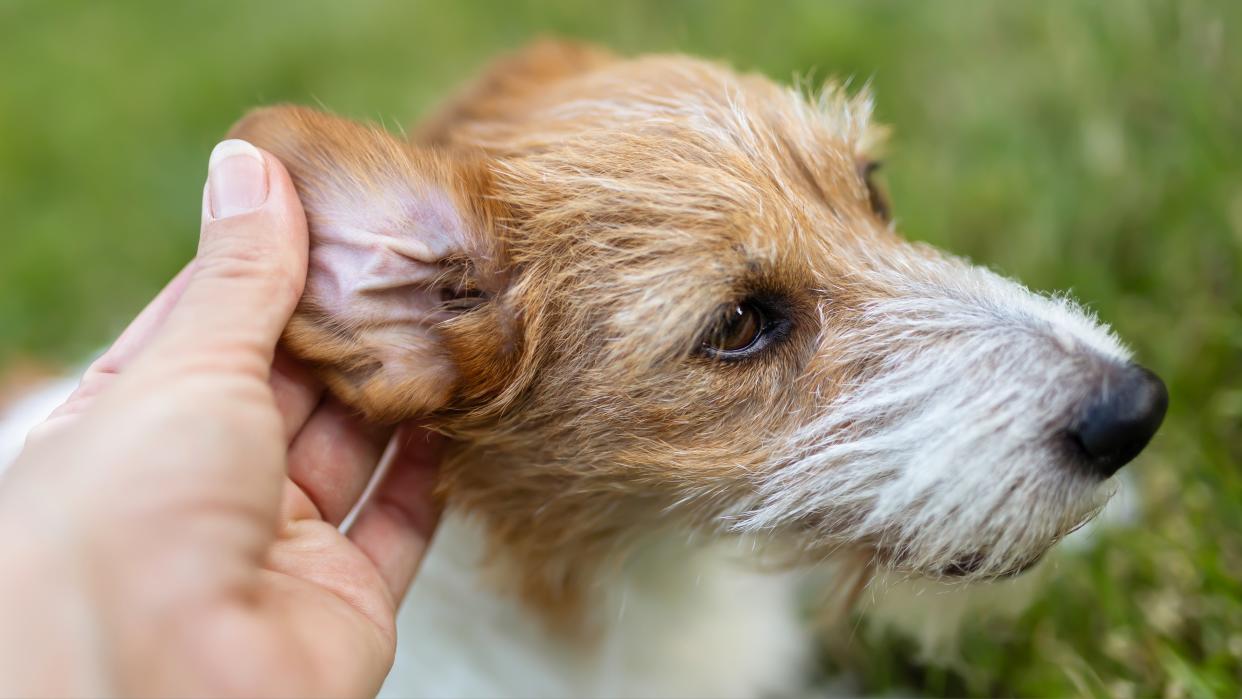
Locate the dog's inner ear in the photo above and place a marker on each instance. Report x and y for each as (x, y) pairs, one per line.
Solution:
(398, 247)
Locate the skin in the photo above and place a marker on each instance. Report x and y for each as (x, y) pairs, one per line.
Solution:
(172, 529)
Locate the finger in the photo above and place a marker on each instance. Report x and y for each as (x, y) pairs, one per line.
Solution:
(143, 327)
(250, 268)
(101, 371)
(333, 457)
(297, 392)
(395, 527)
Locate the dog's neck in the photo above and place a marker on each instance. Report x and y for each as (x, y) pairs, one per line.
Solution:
(681, 616)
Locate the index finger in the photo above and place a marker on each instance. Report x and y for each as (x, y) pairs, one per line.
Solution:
(143, 327)
(129, 344)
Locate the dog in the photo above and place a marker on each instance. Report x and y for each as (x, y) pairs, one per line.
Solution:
(684, 357)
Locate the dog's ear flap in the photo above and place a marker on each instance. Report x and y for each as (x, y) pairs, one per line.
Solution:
(400, 244)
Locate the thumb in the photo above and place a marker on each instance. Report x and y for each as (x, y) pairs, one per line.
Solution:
(250, 267)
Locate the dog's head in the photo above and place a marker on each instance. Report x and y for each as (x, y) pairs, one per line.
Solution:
(651, 290)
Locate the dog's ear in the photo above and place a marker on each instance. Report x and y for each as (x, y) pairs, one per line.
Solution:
(401, 247)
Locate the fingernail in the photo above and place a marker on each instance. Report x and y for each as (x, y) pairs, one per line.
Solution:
(236, 179)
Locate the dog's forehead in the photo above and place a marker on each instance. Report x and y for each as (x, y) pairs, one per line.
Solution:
(688, 159)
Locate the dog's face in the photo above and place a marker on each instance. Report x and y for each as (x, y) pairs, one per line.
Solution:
(654, 289)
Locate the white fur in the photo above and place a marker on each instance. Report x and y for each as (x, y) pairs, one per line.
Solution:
(681, 620)
(944, 448)
(950, 443)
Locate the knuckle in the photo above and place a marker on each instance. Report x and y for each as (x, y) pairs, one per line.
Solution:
(250, 266)
(240, 249)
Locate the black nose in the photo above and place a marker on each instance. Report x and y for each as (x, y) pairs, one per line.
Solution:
(1121, 419)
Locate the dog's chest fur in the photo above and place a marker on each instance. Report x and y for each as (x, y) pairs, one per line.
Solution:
(679, 619)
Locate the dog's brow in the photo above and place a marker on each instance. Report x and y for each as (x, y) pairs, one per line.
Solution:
(805, 171)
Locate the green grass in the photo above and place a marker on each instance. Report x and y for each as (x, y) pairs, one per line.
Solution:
(1091, 146)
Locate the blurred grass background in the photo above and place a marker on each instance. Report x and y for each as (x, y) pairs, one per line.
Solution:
(1092, 146)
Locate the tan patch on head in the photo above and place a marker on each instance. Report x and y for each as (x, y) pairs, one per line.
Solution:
(612, 211)
(504, 86)
(645, 196)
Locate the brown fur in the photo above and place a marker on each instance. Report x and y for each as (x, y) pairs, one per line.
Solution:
(614, 208)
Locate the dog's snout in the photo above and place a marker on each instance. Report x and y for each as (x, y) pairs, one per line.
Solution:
(1120, 419)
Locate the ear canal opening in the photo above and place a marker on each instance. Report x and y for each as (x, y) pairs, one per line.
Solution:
(461, 300)
(457, 286)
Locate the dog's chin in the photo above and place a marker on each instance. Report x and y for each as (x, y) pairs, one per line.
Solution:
(967, 567)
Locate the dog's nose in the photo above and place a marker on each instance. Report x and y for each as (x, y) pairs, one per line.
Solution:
(1121, 419)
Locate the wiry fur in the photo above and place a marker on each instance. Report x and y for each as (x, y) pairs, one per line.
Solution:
(915, 411)
(947, 449)
(534, 273)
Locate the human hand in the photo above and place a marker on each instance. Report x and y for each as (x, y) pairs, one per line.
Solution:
(172, 529)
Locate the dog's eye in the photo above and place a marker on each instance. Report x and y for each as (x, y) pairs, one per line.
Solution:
(737, 333)
(875, 195)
